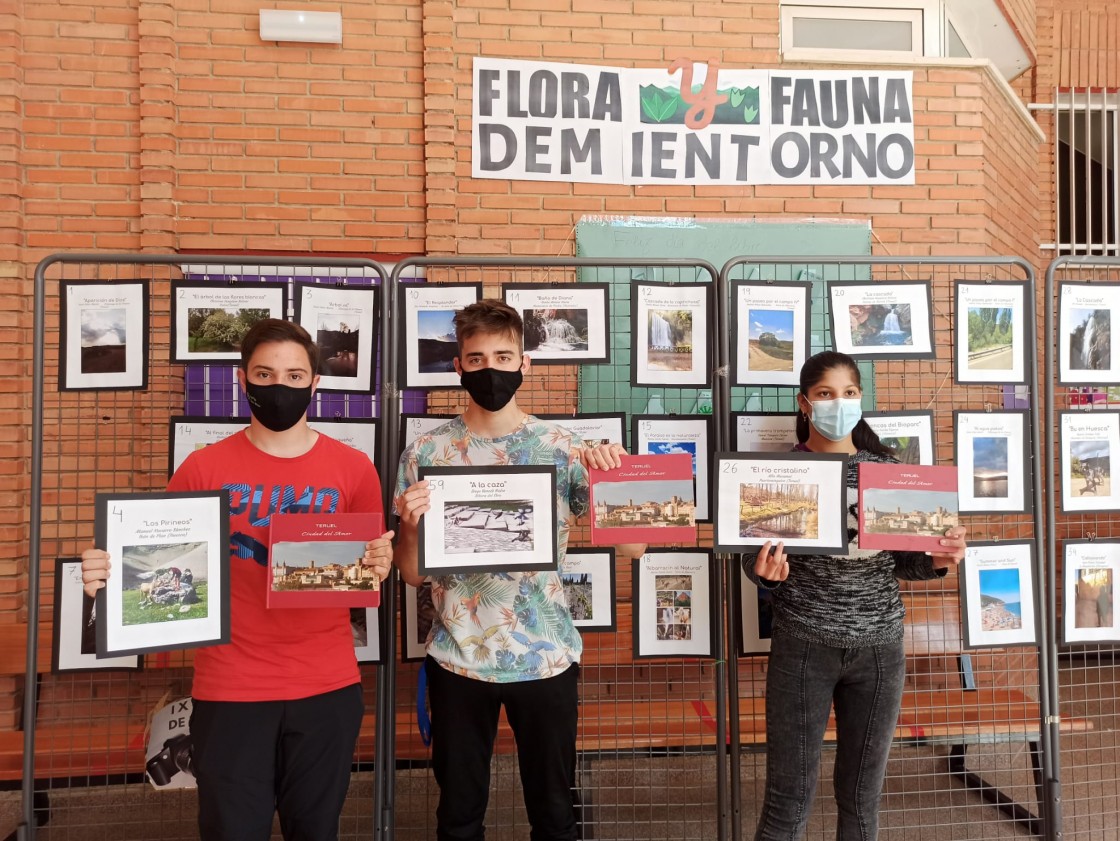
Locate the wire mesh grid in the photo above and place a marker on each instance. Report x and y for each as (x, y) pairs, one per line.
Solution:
(90, 727)
(1078, 346)
(647, 765)
(985, 704)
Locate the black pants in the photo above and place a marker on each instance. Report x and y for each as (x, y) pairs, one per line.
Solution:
(542, 715)
(255, 758)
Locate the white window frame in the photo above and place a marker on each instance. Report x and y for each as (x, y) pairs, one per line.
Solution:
(925, 16)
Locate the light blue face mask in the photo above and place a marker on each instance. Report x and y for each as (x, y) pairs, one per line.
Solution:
(835, 419)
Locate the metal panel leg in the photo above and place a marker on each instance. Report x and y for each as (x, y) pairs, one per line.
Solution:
(992, 794)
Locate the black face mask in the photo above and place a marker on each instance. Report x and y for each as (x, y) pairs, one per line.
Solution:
(277, 407)
(490, 388)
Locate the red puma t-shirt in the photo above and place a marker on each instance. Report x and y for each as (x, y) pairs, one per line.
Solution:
(276, 654)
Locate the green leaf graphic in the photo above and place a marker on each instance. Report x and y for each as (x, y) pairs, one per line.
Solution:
(652, 106)
(737, 96)
(749, 114)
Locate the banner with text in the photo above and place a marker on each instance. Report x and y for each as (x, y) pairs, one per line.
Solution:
(690, 124)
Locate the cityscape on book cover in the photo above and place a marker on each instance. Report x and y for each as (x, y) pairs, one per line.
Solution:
(321, 566)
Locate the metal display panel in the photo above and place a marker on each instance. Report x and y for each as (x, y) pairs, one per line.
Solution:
(86, 730)
(1085, 684)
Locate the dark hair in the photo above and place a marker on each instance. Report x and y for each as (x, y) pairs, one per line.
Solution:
(491, 317)
(277, 330)
(812, 372)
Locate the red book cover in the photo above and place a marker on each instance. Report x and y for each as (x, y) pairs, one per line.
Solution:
(316, 560)
(649, 499)
(906, 507)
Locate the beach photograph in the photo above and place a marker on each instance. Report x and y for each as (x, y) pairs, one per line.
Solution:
(1000, 600)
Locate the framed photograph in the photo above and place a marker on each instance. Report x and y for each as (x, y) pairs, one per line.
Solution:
(648, 499)
(1090, 570)
(210, 318)
(797, 498)
(765, 432)
(909, 434)
(1086, 355)
(997, 594)
(359, 433)
(75, 624)
(170, 585)
(604, 427)
(565, 323)
(369, 642)
(659, 435)
(343, 322)
(991, 333)
(775, 320)
(755, 608)
(588, 577)
(670, 325)
(489, 519)
(103, 327)
(906, 507)
(428, 332)
(882, 320)
(413, 426)
(418, 613)
(1088, 441)
(315, 560)
(674, 601)
(188, 433)
(992, 457)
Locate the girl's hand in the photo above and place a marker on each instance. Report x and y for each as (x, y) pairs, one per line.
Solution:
(772, 564)
(953, 548)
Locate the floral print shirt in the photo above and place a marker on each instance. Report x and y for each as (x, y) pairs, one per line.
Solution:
(504, 627)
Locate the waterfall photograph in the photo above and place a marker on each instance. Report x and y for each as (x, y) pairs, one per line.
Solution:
(880, 324)
(555, 331)
(1090, 340)
(670, 340)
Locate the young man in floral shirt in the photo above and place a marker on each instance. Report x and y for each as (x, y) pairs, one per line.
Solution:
(500, 638)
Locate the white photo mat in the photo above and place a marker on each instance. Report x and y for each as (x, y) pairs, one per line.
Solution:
(489, 519)
(428, 331)
(751, 638)
(765, 432)
(1086, 313)
(604, 427)
(1090, 572)
(414, 426)
(673, 604)
(332, 314)
(359, 433)
(103, 328)
(1089, 441)
(670, 333)
(996, 580)
(588, 576)
(146, 535)
(908, 433)
(692, 434)
(807, 492)
(564, 323)
(992, 460)
(770, 332)
(246, 303)
(882, 320)
(991, 333)
(370, 626)
(75, 644)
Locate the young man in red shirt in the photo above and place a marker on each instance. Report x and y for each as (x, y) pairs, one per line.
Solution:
(276, 712)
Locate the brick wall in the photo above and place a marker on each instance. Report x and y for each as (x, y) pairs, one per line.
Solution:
(166, 124)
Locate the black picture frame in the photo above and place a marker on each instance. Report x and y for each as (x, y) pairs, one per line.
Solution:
(925, 437)
(969, 295)
(918, 293)
(347, 363)
(462, 489)
(1104, 558)
(418, 612)
(647, 624)
(92, 313)
(409, 431)
(74, 637)
(572, 422)
(702, 432)
(368, 443)
(799, 322)
(1085, 367)
(186, 433)
(980, 604)
(601, 564)
(1016, 483)
(443, 300)
(767, 470)
(560, 297)
(120, 519)
(273, 295)
(778, 443)
(1097, 493)
(748, 600)
(653, 297)
(375, 653)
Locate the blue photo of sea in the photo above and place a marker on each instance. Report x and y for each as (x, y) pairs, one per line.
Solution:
(1001, 607)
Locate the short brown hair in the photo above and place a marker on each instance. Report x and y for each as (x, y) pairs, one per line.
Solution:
(277, 330)
(491, 317)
